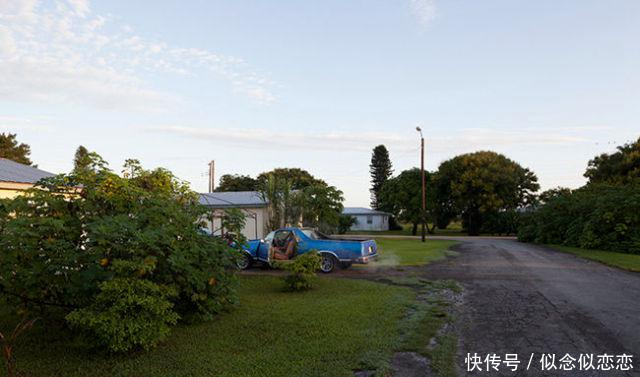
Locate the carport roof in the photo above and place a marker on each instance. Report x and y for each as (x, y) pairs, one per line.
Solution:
(11, 171)
(233, 199)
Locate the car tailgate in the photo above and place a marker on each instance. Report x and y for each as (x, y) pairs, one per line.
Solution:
(369, 247)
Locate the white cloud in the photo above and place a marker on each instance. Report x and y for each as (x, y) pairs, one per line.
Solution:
(80, 7)
(488, 137)
(63, 81)
(61, 52)
(424, 11)
(17, 7)
(14, 124)
(7, 45)
(265, 138)
(468, 140)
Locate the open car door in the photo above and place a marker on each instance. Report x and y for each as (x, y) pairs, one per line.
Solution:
(263, 252)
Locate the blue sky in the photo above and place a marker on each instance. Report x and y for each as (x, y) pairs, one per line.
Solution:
(256, 85)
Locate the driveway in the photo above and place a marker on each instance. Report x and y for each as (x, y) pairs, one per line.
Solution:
(526, 299)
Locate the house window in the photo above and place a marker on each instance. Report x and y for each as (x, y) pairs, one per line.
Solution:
(369, 219)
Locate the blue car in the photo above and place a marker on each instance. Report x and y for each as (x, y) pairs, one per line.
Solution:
(286, 243)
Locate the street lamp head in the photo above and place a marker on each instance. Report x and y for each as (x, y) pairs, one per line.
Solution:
(418, 129)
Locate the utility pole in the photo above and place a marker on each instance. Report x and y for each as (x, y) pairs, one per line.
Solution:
(424, 187)
(212, 176)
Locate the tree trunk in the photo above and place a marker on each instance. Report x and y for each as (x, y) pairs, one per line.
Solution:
(473, 223)
(414, 230)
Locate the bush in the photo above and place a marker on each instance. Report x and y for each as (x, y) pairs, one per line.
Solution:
(344, 223)
(302, 271)
(501, 223)
(605, 217)
(127, 314)
(61, 244)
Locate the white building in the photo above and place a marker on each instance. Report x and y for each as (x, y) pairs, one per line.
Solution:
(250, 203)
(367, 219)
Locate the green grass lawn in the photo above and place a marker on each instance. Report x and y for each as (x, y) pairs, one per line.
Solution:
(339, 326)
(454, 230)
(405, 231)
(630, 262)
(412, 252)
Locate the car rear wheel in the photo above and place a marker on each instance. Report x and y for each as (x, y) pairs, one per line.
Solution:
(244, 262)
(328, 263)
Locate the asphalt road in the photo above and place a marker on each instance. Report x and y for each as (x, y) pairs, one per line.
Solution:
(526, 299)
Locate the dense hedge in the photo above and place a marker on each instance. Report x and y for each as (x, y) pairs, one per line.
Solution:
(605, 217)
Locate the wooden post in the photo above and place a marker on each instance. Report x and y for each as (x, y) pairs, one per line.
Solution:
(424, 190)
(212, 181)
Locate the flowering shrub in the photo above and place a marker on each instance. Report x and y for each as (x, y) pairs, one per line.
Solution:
(97, 244)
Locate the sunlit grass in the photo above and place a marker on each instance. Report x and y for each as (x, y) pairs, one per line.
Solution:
(625, 261)
(339, 326)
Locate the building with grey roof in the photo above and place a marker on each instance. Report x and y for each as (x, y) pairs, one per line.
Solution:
(11, 171)
(367, 219)
(251, 203)
(231, 199)
(16, 177)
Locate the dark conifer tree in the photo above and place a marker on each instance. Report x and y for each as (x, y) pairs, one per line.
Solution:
(380, 170)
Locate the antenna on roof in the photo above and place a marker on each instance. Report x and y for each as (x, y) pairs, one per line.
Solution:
(212, 181)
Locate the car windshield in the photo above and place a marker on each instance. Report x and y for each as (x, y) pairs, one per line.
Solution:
(269, 236)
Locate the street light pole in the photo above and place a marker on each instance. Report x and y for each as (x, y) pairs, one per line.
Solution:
(424, 187)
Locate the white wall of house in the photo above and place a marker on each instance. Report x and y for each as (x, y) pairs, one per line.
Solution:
(254, 226)
(371, 222)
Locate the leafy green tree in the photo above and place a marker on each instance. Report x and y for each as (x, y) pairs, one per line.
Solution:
(621, 167)
(321, 207)
(484, 182)
(233, 221)
(316, 205)
(14, 151)
(550, 194)
(278, 194)
(380, 170)
(297, 178)
(81, 160)
(131, 168)
(105, 252)
(402, 196)
(236, 182)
